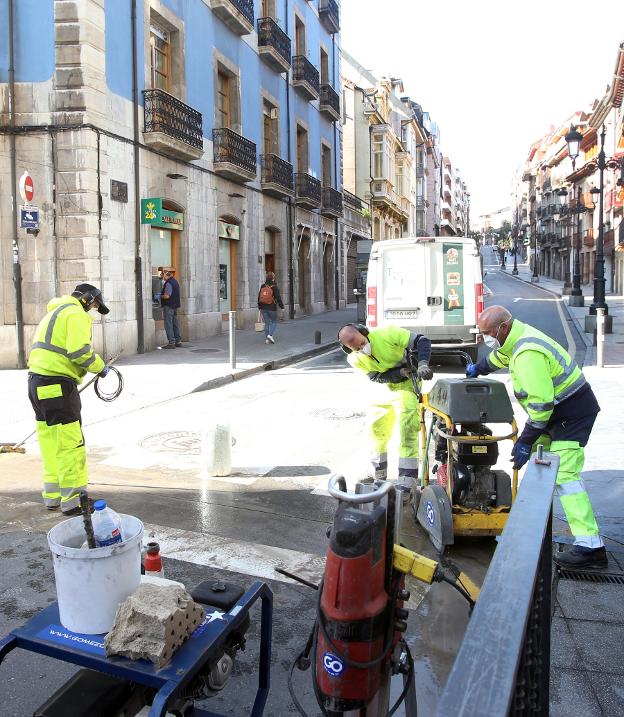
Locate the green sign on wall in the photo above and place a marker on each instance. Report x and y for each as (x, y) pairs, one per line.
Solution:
(152, 212)
(453, 284)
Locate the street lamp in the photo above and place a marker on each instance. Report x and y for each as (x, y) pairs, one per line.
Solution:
(535, 277)
(514, 271)
(576, 295)
(562, 195)
(573, 139)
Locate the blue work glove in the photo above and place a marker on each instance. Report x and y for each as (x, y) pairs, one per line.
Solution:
(472, 370)
(104, 371)
(521, 453)
(424, 371)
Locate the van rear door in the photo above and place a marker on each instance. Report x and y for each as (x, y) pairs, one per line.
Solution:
(402, 285)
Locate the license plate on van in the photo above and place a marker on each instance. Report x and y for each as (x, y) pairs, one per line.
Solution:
(401, 313)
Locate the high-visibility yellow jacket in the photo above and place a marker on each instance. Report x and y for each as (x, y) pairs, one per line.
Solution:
(388, 346)
(542, 372)
(62, 343)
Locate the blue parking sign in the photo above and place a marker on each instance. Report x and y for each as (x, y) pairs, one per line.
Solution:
(29, 218)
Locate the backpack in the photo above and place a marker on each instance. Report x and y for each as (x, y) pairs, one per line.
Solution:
(266, 295)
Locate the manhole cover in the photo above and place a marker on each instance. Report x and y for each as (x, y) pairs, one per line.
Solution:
(337, 414)
(205, 351)
(188, 442)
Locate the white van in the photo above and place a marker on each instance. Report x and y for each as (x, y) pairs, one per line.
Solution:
(431, 285)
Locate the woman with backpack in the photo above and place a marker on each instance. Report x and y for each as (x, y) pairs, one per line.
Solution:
(268, 300)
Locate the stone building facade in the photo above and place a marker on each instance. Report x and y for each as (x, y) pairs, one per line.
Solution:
(202, 134)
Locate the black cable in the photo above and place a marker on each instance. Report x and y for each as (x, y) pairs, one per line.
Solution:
(408, 682)
(108, 397)
(461, 590)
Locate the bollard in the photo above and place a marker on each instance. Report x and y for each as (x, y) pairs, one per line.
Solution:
(232, 339)
(600, 337)
(217, 449)
(317, 337)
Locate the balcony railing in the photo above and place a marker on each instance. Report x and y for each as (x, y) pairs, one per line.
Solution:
(588, 237)
(331, 202)
(352, 201)
(172, 125)
(419, 169)
(277, 176)
(420, 203)
(273, 44)
(238, 15)
(308, 190)
(330, 15)
(306, 77)
(234, 156)
(329, 102)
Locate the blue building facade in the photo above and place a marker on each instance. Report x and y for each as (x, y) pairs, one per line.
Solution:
(198, 134)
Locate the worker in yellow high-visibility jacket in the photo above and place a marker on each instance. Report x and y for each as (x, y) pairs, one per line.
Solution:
(60, 357)
(561, 408)
(380, 354)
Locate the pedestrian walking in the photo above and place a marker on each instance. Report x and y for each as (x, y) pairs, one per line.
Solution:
(60, 357)
(170, 302)
(561, 408)
(269, 298)
(380, 354)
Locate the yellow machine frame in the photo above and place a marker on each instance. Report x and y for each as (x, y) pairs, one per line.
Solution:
(467, 521)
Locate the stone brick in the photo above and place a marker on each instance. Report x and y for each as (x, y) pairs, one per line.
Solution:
(152, 624)
(83, 32)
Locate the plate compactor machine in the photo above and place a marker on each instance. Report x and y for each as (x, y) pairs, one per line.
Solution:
(357, 643)
(463, 493)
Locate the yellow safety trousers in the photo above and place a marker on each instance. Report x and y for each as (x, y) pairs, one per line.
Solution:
(401, 407)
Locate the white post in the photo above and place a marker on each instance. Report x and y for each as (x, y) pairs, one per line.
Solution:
(600, 337)
(232, 339)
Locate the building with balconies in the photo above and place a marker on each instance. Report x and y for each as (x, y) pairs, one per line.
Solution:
(201, 135)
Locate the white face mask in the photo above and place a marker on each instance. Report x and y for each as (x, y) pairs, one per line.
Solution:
(491, 342)
(366, 349)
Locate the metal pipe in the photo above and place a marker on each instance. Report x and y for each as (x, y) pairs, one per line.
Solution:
(600, 337)
(289, 212)
(337, 239)
(57, 289)
(17, 267)
(138, 262)
(599, 274)
(232, 330)
(100, 238)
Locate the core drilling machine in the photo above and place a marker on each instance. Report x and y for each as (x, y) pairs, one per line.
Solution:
(357, 642)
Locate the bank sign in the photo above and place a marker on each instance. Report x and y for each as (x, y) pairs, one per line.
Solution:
(152, 212)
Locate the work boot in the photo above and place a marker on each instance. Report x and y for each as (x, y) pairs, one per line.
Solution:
(578, 557)
(78, 511)
(178, 344)
(169, 346)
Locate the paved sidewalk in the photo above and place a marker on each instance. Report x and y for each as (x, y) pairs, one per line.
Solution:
(161, 375)
(587, 660)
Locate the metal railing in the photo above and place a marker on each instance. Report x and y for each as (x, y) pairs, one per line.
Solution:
(165, 113)
(308, 188)
(420, 203)
(231, 147)
(304, 71)
(330, 98)
(245, 7)
(270, 34)
(328, 10)
(419, 169)
(503, 665)
(276, 170)
(352, 201)
(331, 201)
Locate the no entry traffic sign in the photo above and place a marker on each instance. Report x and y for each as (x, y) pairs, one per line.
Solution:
(26, 187)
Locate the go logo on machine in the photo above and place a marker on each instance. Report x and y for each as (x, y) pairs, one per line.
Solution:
(333, 665)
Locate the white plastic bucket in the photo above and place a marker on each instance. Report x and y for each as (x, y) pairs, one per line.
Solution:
(91, 584)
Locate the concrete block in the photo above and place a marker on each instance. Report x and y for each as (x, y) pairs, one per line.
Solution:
(217, 441)
(152, 624)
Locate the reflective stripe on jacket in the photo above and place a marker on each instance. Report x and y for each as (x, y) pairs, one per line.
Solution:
(388, 346)
(543, 373)
(62, 343)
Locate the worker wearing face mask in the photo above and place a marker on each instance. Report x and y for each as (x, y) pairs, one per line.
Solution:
(561, 408)
(381, 355)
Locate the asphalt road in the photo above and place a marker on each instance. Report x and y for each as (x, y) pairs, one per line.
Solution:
(292, 428)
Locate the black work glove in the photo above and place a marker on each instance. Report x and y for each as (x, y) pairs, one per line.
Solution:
(424, 371)
(393, 375)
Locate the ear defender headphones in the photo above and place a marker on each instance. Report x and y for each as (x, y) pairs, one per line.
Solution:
(358, 327)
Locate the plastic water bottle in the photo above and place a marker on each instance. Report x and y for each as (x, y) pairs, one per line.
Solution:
(106, 525)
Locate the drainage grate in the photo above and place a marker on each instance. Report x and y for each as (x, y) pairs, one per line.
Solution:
(591, 577)
(205, 351)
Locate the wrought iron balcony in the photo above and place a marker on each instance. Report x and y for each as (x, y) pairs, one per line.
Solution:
(234, 156)
(273, 44)
(329, 102)
(238, 15)
(332, 202)
(421, 203)
(308, 191)
(419, 169)
(171, 125)
(330, 15)
(305, 77)
(277, 176)
(352, 201)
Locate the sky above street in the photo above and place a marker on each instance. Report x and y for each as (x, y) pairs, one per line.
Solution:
(494, 74)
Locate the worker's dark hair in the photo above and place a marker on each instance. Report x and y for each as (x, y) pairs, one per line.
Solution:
(358, 327)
